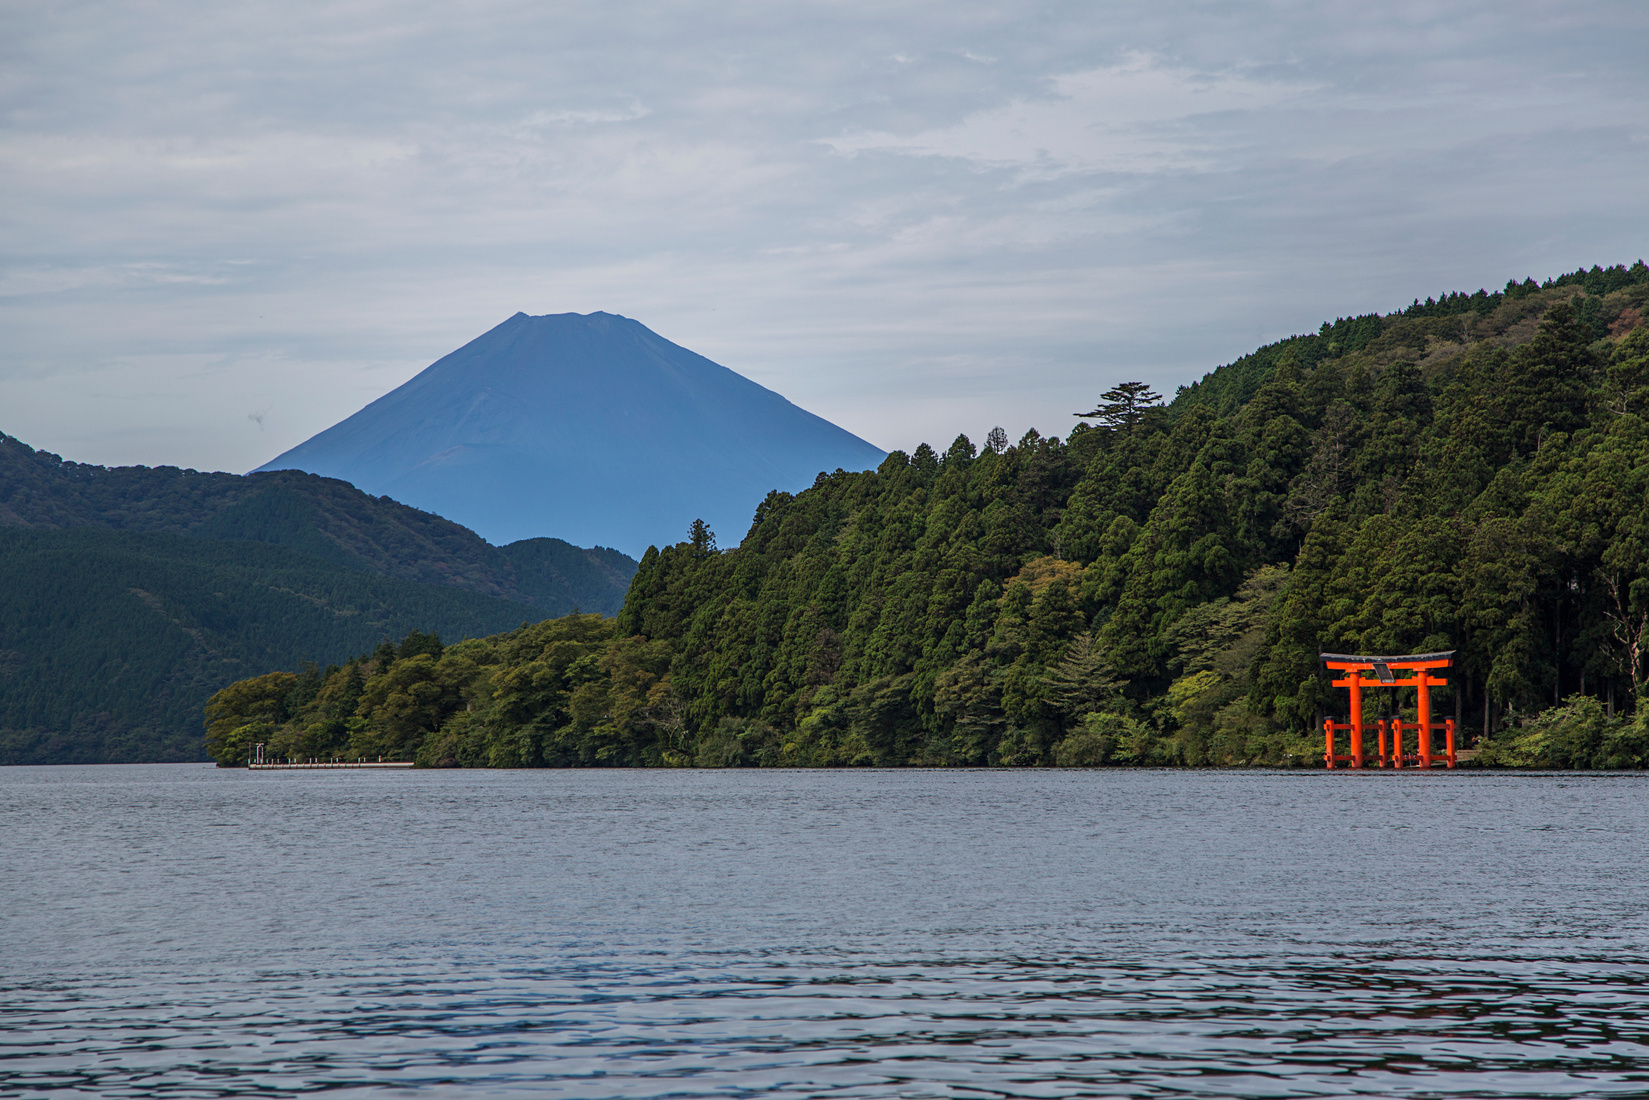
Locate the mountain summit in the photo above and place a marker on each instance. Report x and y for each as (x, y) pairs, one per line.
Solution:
(591, 428)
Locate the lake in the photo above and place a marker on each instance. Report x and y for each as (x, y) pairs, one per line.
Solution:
(179, 931)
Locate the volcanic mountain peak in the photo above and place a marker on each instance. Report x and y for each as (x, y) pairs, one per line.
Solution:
(588, 427)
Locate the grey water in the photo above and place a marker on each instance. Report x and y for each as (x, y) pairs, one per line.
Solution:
(180, 931)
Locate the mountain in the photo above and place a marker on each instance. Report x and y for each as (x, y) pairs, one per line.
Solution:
(112, 641)
(321, 517)
(592, 428)
(128, 595)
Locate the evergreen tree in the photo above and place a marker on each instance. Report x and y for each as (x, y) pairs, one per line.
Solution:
(1123, 405)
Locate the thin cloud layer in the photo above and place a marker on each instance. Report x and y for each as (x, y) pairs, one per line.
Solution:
(226, 227)
(1142, 116)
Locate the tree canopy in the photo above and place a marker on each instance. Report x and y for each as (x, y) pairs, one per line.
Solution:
(1154, 590)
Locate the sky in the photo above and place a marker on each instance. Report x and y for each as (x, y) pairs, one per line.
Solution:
(225, 227)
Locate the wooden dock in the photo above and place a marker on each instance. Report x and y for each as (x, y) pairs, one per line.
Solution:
(341, 764)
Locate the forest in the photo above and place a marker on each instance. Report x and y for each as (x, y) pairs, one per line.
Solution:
(132, 593)
(112, 641)
(1470, 473)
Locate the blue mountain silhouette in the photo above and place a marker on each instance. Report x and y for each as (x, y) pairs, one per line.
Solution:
(589, 428)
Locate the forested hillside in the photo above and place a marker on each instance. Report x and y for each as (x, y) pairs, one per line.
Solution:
(111, 642)
(1471, 473)
(130, 594)
(322, 517)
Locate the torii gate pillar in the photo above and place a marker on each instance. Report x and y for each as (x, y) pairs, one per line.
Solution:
(1355, 682)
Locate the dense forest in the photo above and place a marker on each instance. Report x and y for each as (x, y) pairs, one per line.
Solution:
(111, 642)
(1471, 473)
(128, 595)
(322, 517)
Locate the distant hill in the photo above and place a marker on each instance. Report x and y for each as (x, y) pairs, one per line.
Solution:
(112, 641)
(321, 517)
(591, 427)
(128, 595)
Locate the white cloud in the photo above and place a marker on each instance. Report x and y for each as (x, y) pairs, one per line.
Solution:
(1137, 116)
(539, 120)
(19, 282)
(915, 219)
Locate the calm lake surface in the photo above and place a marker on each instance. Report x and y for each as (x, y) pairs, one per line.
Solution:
(183, 931)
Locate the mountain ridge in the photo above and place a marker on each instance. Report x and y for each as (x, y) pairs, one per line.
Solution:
(128, 595)
(323, 517)
(590, 427)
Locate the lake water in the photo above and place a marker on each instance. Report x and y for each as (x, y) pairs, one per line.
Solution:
(182, 931)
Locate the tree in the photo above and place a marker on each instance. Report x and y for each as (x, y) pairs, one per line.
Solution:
(1326, 474)
(1123, 405)
(1083, 680)
(244, 713)
(1629, 372)
(417, 642)
(1547, 379)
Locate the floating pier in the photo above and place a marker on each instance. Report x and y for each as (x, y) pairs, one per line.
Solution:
(257, 762)
(337, 764)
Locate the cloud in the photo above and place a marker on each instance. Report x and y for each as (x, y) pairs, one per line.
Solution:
(1142, 115)
(914, 219)
(18, 282)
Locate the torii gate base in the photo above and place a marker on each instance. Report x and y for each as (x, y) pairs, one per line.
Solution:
(1393, 752)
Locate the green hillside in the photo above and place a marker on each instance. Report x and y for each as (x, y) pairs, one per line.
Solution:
(1470, 473)
(111, 642)
(560, 577)
(321, 517)
(1464, 319)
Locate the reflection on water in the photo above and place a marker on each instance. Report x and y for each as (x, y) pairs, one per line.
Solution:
(178, 931)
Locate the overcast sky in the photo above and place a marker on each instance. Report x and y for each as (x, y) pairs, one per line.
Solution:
(224, 227)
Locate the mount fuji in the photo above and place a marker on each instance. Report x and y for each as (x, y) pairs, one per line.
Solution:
(587, 427)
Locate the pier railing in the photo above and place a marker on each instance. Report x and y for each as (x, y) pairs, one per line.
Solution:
(256, 761)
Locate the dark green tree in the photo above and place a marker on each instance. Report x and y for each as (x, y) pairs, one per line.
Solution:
(1123, 405)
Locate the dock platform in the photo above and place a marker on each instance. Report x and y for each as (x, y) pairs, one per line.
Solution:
(341, 764)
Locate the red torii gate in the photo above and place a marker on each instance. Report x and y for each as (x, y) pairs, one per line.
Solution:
(1384, 670)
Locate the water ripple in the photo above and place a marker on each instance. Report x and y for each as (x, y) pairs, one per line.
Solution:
(1047, 935)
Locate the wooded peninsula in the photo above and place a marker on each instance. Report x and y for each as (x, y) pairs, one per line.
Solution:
(1471, 473)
